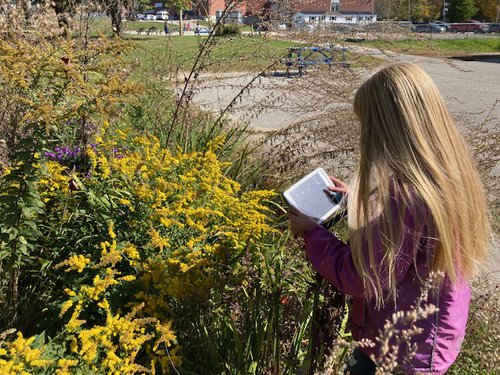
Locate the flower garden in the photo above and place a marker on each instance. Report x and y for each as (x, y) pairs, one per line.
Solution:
(124, 251)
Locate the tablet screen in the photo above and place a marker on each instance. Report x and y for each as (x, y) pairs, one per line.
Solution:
(309, 196)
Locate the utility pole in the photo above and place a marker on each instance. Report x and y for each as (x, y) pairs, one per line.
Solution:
(445, 9)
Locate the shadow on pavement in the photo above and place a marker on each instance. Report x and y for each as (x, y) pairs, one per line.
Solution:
(490, 58)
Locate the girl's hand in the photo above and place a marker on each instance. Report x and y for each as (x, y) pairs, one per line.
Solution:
(300, 224)
(339, 187)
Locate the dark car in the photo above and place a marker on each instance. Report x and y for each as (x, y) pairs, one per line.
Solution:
(494, 28)
(428, 28)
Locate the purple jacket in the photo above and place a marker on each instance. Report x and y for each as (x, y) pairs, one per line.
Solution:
(443, 332)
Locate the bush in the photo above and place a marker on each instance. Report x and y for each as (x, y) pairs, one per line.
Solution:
(227, 30)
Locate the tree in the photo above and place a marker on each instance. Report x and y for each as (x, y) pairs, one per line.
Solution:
(488, 10)
(181, 6)
(116, 9)
(426, 10)
(459, 10)
(394, 9)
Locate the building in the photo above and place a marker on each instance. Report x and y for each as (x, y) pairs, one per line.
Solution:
(299, 11)
(213, 8)
(334, 11)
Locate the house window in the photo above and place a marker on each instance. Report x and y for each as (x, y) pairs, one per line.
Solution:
(312, 18)
(322, 18)
(335, 6)
(348, 19)
(334, 18)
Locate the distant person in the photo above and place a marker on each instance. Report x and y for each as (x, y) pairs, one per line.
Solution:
(165, 26)
(197, 29)
(416, 205)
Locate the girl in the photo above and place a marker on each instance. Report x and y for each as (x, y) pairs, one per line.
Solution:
(415, 206)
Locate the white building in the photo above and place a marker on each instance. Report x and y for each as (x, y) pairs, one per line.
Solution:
(336, 11)
(301, 19)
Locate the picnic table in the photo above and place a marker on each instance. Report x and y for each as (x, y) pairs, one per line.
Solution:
(302, 57)
(201, 30)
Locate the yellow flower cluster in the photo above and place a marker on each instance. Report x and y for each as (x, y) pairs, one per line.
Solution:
(20, 358)
(74, 263)
(113, 346)
(55, 179)
(33, 71)
(189, 218)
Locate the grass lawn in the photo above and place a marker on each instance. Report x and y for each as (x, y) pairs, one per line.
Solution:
(243, 53)
(103, 25)
(445, 47)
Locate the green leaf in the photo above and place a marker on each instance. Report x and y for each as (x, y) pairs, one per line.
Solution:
(13, 232)
(23, 249)
(27, 212)
(39, 340)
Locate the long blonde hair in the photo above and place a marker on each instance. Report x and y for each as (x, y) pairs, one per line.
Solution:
(408, 136)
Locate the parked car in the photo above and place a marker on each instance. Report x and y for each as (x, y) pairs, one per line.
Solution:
(441, 23)
(406, 24)
(140, 16)
(494, 28)
(149, 15)
(162, 15)
(468, 26)
(428, 28)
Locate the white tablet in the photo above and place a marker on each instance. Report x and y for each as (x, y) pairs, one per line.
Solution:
(309, 196)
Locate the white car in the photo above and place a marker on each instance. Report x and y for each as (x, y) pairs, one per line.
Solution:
(162, 15)
(150, 16)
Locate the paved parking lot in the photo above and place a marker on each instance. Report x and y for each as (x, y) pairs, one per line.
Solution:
(470, 88)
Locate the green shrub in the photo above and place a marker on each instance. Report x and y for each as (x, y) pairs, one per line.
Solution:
(229, 29)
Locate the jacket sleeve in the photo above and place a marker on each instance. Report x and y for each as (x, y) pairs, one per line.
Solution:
(332, 258)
